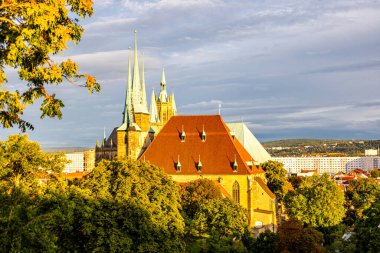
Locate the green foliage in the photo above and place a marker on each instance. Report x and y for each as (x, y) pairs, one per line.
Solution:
(31, 32)
(197, 191)
(360, 195)
(293, 237)
(367, 229)
(21, 157)
(265, 242)
(276, 178)
(375, 173)
(318, 202)
(218, 218)
(123, 205)
(148, 203)
(295, 181)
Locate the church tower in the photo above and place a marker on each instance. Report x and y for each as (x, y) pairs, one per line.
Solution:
(135, 124)
(166, 107)
(138, 125)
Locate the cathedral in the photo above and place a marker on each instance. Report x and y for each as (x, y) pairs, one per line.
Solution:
(195, 146)
(139, 125)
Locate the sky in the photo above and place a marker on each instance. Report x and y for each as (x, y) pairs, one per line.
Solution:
(288, 69)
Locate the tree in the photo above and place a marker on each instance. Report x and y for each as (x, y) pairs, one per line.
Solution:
(196, 192)
(220, 218)
(120, 206)
(276, 178)
(142, 204)
(375, 173)
(21, 157)
(31, 32)
(318, 202)
(295, 181)
(360, 195)
(265, 242)
(293, 237)
(367, 229)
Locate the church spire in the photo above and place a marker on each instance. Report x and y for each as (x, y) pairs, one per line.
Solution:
(128, 115)
(163, 81)
(163, 96)
(136, 76)
(153, 109)
(174, 105)
(143, 93)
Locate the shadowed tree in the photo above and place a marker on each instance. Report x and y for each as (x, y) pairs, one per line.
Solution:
(196, 192)
(293, 237)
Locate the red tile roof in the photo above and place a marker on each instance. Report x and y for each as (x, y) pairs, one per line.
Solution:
(217, 153)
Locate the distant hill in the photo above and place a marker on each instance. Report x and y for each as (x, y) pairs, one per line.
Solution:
(311, 147)
(65, 149)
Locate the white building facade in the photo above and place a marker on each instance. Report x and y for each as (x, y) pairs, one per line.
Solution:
(329, 165)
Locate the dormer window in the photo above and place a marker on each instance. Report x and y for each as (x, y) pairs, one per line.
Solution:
(233, 134)
(250, 165)
(203, 134)
(178, 165)
(183, 135)
(199, 164)
(235, 165)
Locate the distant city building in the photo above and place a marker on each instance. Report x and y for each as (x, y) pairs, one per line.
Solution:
(80, 161)
(371, 152)
(330, 165)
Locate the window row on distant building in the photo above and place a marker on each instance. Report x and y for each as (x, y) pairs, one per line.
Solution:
(330, 165)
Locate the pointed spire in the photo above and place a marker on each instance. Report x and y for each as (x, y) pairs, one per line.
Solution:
(163, 81)
(163, 96)
(136, 76)
(174, 105)
(104, 133)
(127, 114)
(143, 93)
(153, 109)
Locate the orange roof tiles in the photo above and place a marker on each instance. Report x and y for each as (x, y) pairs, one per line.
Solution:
(217, 154)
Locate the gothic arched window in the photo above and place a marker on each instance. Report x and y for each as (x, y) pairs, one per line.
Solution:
(236, 192)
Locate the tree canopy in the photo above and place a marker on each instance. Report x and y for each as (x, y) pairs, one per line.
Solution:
(276, 177)
(360, 195)
(318, 201)
(121, 205)
(197, 191)
(31, 32)
(294, 237)
(22, 157)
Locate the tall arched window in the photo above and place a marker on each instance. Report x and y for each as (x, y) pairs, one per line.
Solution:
(236, 192)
